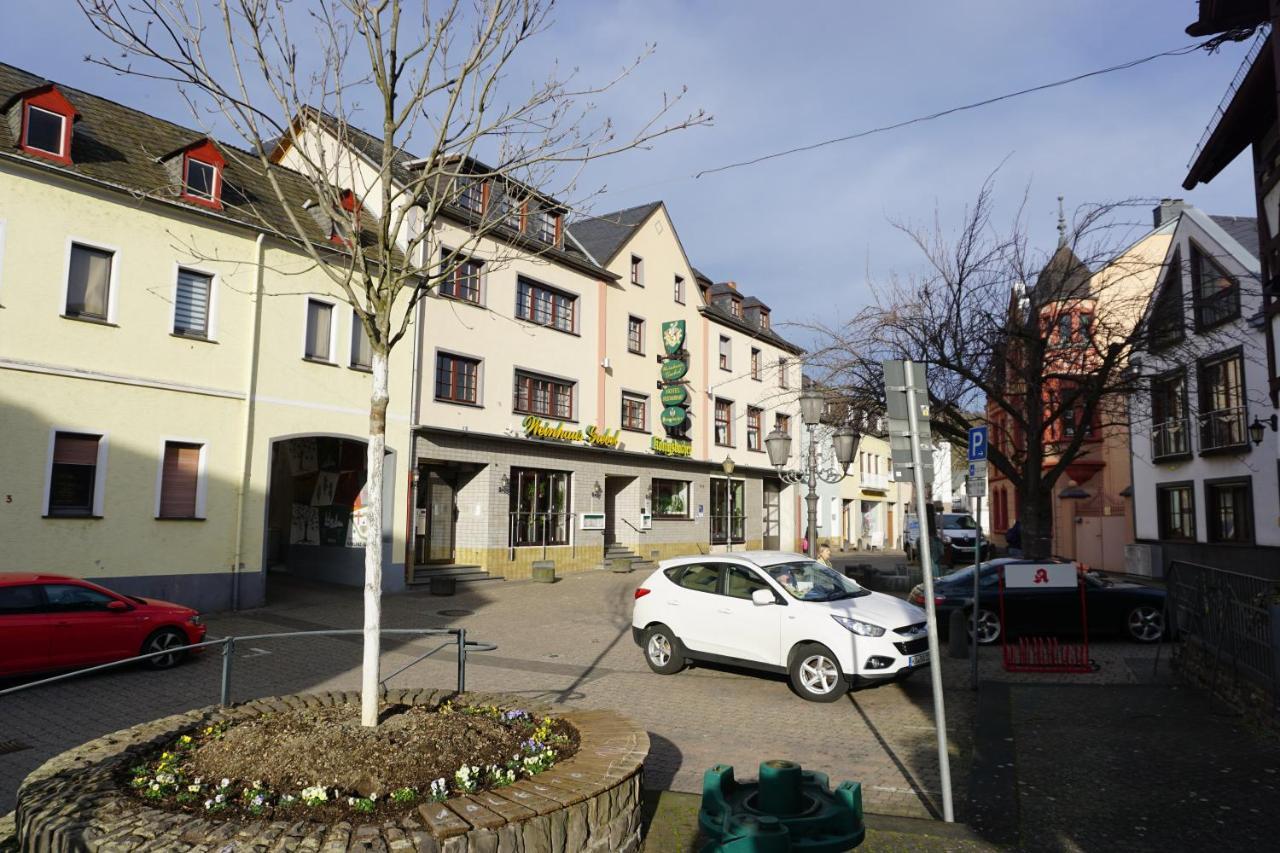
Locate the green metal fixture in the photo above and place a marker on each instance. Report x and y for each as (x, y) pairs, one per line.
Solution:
(788, 809)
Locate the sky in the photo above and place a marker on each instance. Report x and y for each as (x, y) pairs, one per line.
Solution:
(808, 233)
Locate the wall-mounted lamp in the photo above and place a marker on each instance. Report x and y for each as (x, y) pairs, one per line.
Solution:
(1258, 429)
(504, 485)
(597, 491)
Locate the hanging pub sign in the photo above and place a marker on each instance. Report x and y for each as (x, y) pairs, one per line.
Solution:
(675, 395)
(674, 369)
(673, 416)
(673, 336)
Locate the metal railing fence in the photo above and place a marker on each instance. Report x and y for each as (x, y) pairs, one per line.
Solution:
(228, 645)
(1229, 615)
(1170, 438)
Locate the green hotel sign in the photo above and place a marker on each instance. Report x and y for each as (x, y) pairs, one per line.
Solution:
(673, 336)
(674, 369)
(673, 416)
(674, 395)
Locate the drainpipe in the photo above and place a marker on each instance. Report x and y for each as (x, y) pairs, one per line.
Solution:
(250, 410)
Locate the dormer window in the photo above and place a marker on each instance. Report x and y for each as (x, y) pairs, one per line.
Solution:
(45, 119)
(735, 308)
(764, 320)
(201, 167)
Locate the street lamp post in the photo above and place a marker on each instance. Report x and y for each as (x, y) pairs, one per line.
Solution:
(844, 443)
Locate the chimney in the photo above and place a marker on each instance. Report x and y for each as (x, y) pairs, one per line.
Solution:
(1167, 210)
(732, 285)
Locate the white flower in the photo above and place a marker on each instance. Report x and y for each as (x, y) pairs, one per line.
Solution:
(208, 804)
(218, 799)
(193, 788)
(226, 783)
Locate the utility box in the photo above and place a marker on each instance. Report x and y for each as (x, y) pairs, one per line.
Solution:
(544, 571)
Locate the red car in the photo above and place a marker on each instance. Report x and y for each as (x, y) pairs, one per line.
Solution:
(54, 622)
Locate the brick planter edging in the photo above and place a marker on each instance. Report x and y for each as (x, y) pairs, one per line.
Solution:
(589, 803)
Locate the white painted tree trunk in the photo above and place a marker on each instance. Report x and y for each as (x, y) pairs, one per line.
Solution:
(373, 545)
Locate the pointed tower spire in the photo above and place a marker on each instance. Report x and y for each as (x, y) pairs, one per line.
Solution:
(1062, 225)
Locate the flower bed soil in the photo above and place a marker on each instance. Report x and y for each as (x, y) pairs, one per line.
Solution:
(269, 761)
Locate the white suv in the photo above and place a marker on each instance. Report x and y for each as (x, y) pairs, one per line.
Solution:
(778, 612)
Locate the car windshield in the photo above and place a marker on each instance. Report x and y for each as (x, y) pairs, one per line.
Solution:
(808, 580)
(958, 522)
(965, 575)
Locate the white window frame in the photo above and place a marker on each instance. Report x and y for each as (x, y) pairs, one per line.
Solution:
(644, 333)
(333, 329)
(678, 284)
(202, 480)
(99, 473)
(211, 324)
(215, 190)
(113, 286)
(62, 130)
(351, 346)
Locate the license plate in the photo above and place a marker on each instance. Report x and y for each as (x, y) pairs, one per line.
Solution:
(917, 660)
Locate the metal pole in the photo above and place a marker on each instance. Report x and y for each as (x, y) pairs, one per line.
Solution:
(926, 563)
(812, 498)
(462, 660)
(228, 652)
(977, 562)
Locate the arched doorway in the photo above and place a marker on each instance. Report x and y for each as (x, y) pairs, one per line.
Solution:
(316, 523)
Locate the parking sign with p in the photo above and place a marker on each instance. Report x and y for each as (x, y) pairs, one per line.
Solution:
(978, 444)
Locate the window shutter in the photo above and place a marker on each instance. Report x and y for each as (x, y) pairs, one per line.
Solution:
(178, 480)
(191, 306)
(73, 449)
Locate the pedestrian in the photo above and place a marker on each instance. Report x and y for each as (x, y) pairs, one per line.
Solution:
(1013, 538)
(824, 555)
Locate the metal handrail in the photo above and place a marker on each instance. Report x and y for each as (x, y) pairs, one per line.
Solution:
(1171, 437)
(228, 645)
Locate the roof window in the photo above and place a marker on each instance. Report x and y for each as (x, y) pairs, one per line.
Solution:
(44, 119)
(202, 166)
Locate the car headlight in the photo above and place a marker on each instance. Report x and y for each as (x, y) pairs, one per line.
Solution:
(196, 619)
(862, 629)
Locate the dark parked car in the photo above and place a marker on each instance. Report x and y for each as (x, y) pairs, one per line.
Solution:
(1113, 607)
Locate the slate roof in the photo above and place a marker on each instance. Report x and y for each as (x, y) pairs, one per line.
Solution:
(602, 236)
(720, 288)
(122, 147)
(719, 315)
(1065, 276)
(1243, 229)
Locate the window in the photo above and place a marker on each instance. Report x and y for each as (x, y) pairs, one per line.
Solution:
(45, 131)
(635, 335)
(724, 422)
(319, 343)
(191, 304)
(361, 349)
(21, 599)
(1215, 294)
(542, 395)
(89, 283)
(754, 418)
(670, 498)
(1176, 508)
(635, 408)
(679, 290)
(1230, 510)
(464, 282)
(735, 307)
(725, 353)
(1064, 329)
(73, 475)
(545, 306)
(200, 180)
(510, 212)
(1170, 432)
(457, 379)
(179, 481)
(472, 197)
(728, 510)
(545, 225)
(1085, 328)
(1165, 326)
(72, 598)
(637, 270)
(1222, 402)
(755, 364)
(740, 582)
(782, 423)
(782, 374)
(764, 320)
(701, 578)
(539, 507)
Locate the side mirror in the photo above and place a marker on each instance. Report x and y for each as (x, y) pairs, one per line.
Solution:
(762, 597)
(117, 606)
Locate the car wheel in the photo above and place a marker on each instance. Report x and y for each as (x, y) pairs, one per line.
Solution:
(162, 640)
(662, 650)
(1145, 623)
(988, 626)
(816, 675)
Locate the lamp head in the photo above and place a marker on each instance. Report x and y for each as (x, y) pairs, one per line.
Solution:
(779, 446)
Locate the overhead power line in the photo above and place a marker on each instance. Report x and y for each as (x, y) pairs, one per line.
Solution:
(1133, 63)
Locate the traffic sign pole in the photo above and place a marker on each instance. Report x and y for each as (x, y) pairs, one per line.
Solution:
(931, 614)
(977, 561)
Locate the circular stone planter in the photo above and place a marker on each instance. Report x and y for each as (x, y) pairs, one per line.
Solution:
(589, 803)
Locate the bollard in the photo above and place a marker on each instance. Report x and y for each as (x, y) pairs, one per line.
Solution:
(958, 635)
(228, 652)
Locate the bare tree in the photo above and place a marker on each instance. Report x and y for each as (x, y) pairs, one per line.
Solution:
(434, 79)
(1042, 348)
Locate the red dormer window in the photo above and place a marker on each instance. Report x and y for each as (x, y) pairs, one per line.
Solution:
(338, 231)
(202, 166)
(47, 118)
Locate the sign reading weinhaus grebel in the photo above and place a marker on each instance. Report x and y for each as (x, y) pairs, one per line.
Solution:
(535, 427)
(675, 393)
